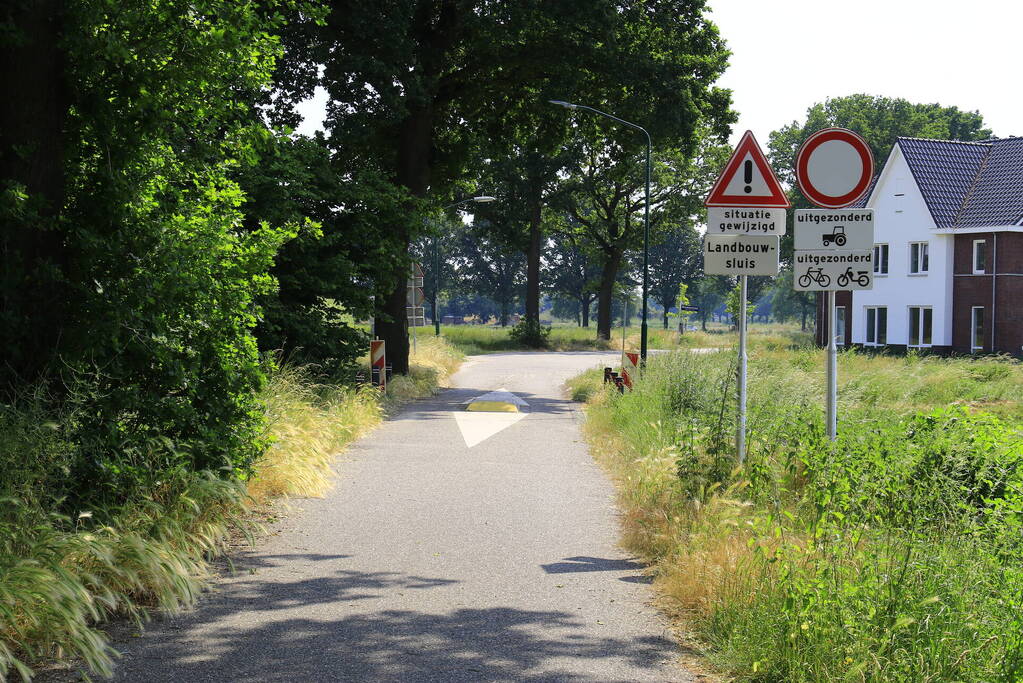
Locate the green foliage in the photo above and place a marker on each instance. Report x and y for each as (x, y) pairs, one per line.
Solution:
(733, 303)
(342, 257)
(63, 575)
(889, 554)
(530, 333)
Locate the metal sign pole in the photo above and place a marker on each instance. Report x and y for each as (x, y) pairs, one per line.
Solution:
(832, 398)
(740, 433)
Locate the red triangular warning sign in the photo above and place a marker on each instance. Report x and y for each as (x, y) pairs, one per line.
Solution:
(747, 180)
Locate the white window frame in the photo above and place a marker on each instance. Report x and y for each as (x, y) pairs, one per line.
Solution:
(982, 250)
(841, 320)
(871, 313)
(922, 250)
(973, 329)
(920, 327)
(881, 247)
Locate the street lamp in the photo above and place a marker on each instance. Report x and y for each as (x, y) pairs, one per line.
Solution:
(646, 213)
(482, 199)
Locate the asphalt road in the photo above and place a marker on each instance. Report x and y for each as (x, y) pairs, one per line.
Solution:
(435, 561)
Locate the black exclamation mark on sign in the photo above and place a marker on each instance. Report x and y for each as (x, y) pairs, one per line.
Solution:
(747, 175)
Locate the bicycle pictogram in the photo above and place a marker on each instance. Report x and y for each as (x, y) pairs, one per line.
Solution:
(814, 275)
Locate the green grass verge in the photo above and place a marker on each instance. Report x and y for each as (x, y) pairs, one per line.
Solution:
(480, 339)
(61, 578)
(892, 554)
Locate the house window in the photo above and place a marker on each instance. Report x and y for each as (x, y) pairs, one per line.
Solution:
(877, 326)
(880, 259)
(977, 328)
(920, 326)
(840, 325)
(918, 262)
(979, 256)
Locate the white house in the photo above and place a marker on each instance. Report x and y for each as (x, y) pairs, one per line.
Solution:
(948, 252)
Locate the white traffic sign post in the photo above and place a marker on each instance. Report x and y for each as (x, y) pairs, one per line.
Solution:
(833, 249)
(745, 221)
(830, 271)
(740, 255)
(834, 167)
(846, 229)
(745, 216)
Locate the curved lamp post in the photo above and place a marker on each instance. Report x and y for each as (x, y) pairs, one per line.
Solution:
(646, 213)
(482, 199)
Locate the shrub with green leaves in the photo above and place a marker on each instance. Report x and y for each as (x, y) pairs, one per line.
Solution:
(890, 554)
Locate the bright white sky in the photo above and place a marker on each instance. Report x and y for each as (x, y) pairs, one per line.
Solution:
(790, 54)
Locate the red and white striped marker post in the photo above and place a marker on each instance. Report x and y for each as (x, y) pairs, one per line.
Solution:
(378, 362)
(630, 367)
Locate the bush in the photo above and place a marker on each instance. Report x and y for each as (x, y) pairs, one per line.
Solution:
(530, 333)
(892, 553)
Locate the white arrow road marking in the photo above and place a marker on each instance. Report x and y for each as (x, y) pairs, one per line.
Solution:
(478, 427)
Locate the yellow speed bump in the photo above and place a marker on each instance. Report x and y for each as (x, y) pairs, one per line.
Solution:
(492, 407)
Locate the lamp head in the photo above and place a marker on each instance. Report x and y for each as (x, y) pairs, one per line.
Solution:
(483, 199)
(561, 103)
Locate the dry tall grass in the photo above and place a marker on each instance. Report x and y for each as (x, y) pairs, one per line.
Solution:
(742, 561)
(60, 578)
(311, 423)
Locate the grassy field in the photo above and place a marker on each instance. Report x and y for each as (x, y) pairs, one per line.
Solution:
(892, 554)
(60, 579)
(477, 339)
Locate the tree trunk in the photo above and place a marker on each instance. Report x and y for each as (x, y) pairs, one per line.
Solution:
(586, 311)
(665, 317)
(34, 104)
(608, 273)
(413, 172)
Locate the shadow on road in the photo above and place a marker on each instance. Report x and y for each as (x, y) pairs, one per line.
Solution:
(590, 564)
(248, 631)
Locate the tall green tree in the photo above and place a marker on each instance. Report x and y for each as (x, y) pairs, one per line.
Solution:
(330, 271)
(127, 276)
(674, 260)
(606, 200)
(572, 271)
(421, 89)
(486, 266)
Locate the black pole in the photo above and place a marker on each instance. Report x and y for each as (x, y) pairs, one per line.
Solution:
(646, 255)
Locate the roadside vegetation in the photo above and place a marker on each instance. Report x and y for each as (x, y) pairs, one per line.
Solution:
(478, 339)
(893, 554)
(63, 575)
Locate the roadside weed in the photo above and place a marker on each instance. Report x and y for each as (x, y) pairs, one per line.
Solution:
(892, 554)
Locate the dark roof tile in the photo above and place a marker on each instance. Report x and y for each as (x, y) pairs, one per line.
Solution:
(997, 196)
(945, 172)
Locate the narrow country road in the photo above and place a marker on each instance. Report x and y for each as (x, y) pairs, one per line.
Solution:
(481, 548)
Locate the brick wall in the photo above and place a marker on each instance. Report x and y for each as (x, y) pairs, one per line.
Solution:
(969, 290)
(820, 332)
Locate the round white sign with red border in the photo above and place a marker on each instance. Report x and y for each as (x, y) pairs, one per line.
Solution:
(834, 167)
